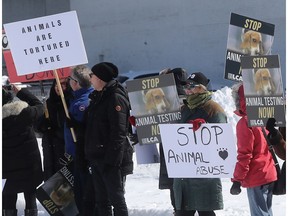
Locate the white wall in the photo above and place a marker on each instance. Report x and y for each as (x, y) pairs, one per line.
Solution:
(155, 34)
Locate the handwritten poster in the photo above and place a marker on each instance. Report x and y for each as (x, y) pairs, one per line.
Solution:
(263, 89)
(46, 43)
(209, 152)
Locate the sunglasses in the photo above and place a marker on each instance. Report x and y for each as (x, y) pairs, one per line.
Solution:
(189, 86)
(71, 78)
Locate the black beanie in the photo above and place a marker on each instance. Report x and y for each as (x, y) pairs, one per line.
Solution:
(180, 77)
(105, 71)
(7, 97)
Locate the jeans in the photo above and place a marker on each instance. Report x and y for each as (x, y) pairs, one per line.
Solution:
(260, 200)
(109, 187)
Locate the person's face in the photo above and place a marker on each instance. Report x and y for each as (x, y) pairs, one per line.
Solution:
(97, 83)
(63, 83)
(73, 83)
(191, 88)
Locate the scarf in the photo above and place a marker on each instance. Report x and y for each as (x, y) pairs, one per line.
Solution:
(196, 100)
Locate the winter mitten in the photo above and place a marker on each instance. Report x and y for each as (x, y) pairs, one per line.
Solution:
(236, 188)
(196, 123)
(270, 126)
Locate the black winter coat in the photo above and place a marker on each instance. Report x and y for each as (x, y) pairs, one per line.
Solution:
(21, 156)
(106, 128)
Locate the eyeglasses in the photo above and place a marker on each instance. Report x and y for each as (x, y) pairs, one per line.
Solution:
(90, 75)
(71, 78)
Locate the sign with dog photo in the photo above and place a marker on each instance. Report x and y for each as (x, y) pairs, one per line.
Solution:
(263, 89)
(246, 37)
(154, 100)
(208, 152)
(56, 194)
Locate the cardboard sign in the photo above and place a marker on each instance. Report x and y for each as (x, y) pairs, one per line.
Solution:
(13, 77)
(46, 43)
(246, 37)
(209, 152)
(154, 100)
(56, 194)
(263, 89)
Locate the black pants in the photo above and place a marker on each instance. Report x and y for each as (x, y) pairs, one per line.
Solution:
(192, 213)
(9, 201)
(109, 187)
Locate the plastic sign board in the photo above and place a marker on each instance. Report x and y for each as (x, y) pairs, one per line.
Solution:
(209, 152)
(46, 43)
(263, 89)
(154, 100)
(246, 37)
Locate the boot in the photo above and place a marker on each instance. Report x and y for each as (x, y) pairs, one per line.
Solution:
(31, 212)
(9, 212)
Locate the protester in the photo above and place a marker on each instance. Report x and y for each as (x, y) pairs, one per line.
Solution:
(51, 125)
(277, 138)
(203, 195)
(79, 82)
(165, 182)
(21, 161)
(255, 169)
(106, 145)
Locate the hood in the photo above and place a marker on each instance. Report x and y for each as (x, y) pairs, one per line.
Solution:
(13, 109)
(239, 99)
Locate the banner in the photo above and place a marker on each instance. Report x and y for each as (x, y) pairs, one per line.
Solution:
(56, 194)
(154, 100)
(209, 152)
(46, 43)
(263, 89)
(246, 37)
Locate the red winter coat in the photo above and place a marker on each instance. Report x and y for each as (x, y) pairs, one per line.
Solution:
(255, 165)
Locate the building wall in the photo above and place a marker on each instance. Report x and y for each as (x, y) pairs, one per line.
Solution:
(156, 34)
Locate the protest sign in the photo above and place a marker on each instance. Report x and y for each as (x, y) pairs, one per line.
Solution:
(13, 77)
(246, 37)
(154, 100)
(56, 194)
(263, 89)
(46, 43)
(209, 152)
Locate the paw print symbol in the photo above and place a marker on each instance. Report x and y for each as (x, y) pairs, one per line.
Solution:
(223, 153)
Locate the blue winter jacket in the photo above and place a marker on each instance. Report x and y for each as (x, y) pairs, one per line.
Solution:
(78, 104)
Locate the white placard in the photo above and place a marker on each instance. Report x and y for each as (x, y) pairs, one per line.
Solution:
(46, 43)
(209, 152)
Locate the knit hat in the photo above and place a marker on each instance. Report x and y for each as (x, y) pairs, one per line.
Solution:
(198, 78)
(105, 71)
(7, 97)
(180, 77)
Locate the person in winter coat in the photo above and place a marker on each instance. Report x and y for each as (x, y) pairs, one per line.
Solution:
(277, 138)
(51, 125)
(255, 169)
(180, 75)
(79, 82)
(106, 145)
(203, 195)
(21, 161)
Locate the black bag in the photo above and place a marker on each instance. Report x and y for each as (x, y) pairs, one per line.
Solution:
(280, 185)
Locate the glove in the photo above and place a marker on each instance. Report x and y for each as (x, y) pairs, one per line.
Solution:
(235, 189)
(71, 122)
(270, 126)
(132, 120)
(64, 161)
(196, 123)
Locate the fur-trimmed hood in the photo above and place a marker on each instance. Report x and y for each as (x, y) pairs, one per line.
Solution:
(239, 99)
(13, 109)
